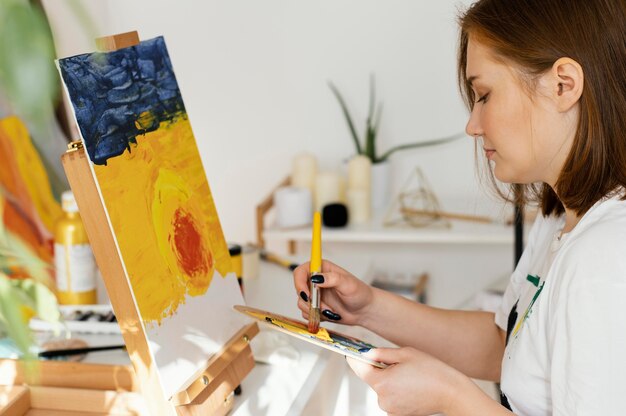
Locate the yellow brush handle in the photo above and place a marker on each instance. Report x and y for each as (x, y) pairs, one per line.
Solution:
(316, 244)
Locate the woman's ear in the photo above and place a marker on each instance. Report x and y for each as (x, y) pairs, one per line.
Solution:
(568, 81)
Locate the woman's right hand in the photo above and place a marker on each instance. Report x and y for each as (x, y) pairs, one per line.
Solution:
(345, 298)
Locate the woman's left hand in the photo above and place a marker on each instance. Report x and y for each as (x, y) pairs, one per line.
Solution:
(415, 383)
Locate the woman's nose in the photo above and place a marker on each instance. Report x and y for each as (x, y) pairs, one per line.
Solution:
(473, 127)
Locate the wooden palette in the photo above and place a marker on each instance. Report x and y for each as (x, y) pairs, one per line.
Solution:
(330, 340)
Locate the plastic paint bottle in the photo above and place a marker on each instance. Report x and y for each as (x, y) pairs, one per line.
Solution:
(73, 259)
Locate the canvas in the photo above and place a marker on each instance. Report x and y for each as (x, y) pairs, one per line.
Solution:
(28, 210)
(144, 158)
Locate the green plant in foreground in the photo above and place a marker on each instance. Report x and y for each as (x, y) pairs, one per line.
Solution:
(372, 125)
(27, 75)
(23, 298)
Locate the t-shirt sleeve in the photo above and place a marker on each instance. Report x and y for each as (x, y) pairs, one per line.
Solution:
(587, 334)
(512, 292)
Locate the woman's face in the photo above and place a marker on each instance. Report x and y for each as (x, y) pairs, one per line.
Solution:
(524, 135)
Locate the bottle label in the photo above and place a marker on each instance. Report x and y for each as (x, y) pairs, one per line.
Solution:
(75, 267)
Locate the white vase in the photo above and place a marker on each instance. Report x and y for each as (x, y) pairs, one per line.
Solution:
(381, 186)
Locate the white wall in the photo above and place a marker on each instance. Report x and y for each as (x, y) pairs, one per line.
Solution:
(253, 76)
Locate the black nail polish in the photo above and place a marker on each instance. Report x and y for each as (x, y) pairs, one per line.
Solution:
(331, 315)
(304, 296)
(364, 350)
(317, 278)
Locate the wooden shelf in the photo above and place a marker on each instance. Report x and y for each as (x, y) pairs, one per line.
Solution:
(460, 232)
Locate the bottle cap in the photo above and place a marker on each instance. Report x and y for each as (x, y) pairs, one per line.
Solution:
(68, 203)
(235, 255)
(234, 249)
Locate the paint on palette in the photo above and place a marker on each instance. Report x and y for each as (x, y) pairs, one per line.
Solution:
(328, 339)
(340, 342)
(139, 139)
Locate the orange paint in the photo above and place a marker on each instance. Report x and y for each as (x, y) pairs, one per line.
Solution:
(188, 243)
(29, 208)
(161, 209)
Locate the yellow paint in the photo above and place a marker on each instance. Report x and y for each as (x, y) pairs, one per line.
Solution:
(27, 313)
(322, 334)
(144, 190)
(145, 120)
(30, 170)
(316, 245)
(172, 193)
(70, 234)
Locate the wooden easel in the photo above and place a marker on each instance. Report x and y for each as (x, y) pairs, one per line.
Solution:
(210, 390)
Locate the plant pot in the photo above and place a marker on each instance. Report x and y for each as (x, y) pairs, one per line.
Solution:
(381, 186)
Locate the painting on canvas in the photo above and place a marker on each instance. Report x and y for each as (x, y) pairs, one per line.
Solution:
(144, 157)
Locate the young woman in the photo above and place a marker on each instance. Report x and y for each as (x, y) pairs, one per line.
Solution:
(545, 81)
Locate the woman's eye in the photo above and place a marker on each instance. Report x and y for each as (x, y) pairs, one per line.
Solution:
(483, 99)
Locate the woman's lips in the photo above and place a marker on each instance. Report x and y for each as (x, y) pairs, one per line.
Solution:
(489, 152)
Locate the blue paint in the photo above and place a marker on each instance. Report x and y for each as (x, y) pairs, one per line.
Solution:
(109, 91)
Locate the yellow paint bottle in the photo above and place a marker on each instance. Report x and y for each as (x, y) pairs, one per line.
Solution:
(237, 262)
(73, 259)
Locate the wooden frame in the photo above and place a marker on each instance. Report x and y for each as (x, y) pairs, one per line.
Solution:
(56, 388)
(261, 211)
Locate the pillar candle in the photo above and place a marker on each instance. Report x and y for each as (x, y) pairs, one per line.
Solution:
(359, 173)
(358, 206)
(304, 171)
(327, 189)
(293, 206)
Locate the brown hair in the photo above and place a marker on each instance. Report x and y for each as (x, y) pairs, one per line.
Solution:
(533, 34)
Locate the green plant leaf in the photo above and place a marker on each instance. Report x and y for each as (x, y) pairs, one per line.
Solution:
(377, 117)
(14, 252)
(370, 142)
(370, 131)
(27, 54)
(372, 104)
(39, 298)
(346, 114)
(426, 143)
(11, 317)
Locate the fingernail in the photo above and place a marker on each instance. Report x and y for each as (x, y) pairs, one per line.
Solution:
(304, 296)
(364, 350)
(318, 278)
(331, 315)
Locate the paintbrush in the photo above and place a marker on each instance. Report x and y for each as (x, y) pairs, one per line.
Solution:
(273, 258)
(76, 351)
(315, 268)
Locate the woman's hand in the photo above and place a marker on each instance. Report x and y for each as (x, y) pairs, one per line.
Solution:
(345, 298)
(414, 384)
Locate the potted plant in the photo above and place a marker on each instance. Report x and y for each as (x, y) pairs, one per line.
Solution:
(367, 145)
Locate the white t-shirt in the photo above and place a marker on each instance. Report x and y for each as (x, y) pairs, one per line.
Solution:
(567, 352)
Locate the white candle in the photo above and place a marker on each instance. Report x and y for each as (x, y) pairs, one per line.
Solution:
(359, 173)
(327, 189)
(293, 206)
(358, 206)
(304, 171)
